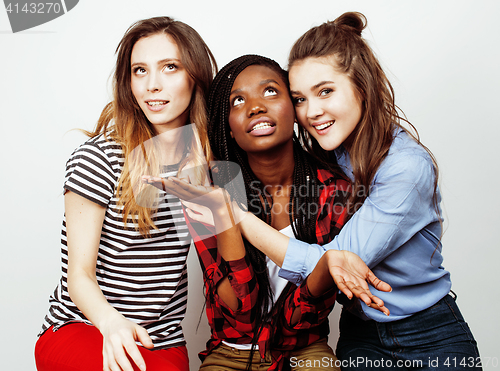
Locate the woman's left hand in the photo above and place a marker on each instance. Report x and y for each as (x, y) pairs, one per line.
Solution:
(352, 276)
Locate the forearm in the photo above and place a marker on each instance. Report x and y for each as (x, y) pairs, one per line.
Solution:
(88, 297)
(229, 241)
(320, 279)
(265, 238)
(318, 282)
(304, 310)
(230, 247)
(84, 221)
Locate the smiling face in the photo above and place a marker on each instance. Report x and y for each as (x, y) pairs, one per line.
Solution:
(261, 113)
(326, 102)
(160, 84)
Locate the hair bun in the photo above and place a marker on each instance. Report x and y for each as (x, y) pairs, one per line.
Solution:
(354, 21)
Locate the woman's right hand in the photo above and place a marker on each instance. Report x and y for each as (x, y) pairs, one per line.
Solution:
(119, 340)
(352, 276)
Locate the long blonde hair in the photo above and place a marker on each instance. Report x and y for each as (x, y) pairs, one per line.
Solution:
(123, 120)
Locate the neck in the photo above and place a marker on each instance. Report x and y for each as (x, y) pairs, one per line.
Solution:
(274, 168)
(171, 145)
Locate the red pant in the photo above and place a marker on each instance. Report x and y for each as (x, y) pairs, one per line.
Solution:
(78, 347)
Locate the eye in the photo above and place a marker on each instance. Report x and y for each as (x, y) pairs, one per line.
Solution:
(270, 92)
(237, 101)
(325, 91)
(139, 71)
(298, 100)
(170, 67)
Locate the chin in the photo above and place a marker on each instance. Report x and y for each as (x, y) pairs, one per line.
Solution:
(328, 145)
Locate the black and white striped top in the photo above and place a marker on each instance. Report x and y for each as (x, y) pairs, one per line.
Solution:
(145, 279)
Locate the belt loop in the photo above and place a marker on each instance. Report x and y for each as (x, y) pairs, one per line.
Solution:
(453, 295)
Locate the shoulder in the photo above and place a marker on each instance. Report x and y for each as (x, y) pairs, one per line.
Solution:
(97, 160)
(407, 161)
(98, 150)
(100, 144)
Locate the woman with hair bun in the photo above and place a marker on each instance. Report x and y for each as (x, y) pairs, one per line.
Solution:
(345, 107)
(124, 245)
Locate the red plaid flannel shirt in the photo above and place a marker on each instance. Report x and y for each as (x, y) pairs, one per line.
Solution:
(238, 326)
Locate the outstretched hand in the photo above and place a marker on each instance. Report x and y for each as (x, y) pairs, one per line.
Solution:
(352, 276)
(201, 201)
(211, 197)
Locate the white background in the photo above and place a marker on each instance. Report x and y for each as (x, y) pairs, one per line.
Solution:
(442, 57)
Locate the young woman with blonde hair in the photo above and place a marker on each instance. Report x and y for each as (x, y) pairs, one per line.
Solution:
(124, 245)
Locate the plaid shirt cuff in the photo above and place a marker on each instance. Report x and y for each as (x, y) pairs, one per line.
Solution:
(313, 310)
(244, 283)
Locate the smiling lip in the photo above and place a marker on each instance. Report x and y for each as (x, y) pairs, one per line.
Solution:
(323, 127)
(156, 105)
(261, 126)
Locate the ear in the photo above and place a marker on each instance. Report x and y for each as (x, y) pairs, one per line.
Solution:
(231, 133)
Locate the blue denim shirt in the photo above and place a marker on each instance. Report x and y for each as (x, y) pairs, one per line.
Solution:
(396, 232)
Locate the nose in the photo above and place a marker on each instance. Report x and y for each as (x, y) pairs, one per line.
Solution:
(256, 106)
(314, 109)
(154, 82)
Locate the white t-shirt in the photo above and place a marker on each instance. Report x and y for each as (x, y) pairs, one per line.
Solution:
(277, 285)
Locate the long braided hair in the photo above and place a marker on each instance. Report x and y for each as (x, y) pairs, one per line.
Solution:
(225, 149)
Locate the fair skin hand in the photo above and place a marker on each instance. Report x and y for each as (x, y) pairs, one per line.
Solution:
(344, 269)
(84, 221)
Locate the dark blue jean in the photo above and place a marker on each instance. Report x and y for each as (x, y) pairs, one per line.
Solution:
(436, 338)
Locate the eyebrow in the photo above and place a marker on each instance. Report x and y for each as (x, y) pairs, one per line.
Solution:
(314, 87)
(159, 62)
(321, 84)
(263, 82)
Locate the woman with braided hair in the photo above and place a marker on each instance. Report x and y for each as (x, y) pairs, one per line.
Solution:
(251, 123)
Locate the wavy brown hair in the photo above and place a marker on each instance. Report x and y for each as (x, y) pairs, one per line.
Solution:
(341, 41)
(123, 120)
